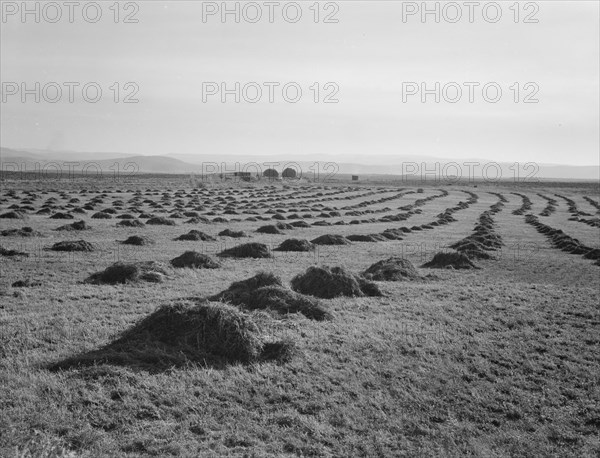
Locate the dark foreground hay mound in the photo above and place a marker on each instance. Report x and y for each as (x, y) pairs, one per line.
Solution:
(121, 272)
(195, 260)
(138, 240)
(331, 239)
(266, 291)
(196, 235)
(182, 334)
(450, 260)
(72, 245)
(295, 245)
(329, 282)
(247, 250)
(392, 269)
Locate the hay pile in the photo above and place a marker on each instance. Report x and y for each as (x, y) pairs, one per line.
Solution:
(184, 333)
(247, 250)
(329, 282)
(101, 215)
(72, 245)
(60, 215)
(295, 245)
(23, 232)
(303, 224)
(268, 229)
(13, 215)
(196, 235)
(266, 291)
(367, 238)
(161, 220)
(7, 252)
(195, 260)
(27, 283)
(121, 272)
(392, 269)
(450, 260)
(130, 223)
(331, 239)
(233, 234)
(138, 240)
(76, 226)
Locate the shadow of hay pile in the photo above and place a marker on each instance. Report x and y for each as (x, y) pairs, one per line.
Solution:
(181, 334)
(266, 291)
(329, 282)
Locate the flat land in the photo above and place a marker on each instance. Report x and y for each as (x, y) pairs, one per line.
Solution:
(496, 361)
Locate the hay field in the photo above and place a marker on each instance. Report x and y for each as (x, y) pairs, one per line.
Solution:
(490, 351)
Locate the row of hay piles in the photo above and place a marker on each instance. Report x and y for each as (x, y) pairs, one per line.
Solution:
(562, 241)
(23, 232)
(484, 239)
(450, 260)
(184, 333)
(525, 205)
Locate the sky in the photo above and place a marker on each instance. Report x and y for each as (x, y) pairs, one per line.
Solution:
(374, 62)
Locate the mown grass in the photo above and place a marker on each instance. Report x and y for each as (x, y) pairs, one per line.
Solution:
(500, 361)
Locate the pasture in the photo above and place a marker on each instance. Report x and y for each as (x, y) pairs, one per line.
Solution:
(495, 356)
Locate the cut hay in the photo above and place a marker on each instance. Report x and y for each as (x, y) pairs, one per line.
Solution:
(195, 235)
(268, 229)
(161, 220)
(329, 282)
(10, 253)
(184, 333)
(72, 245)
(195, 260)
(121, 272)
(295, 245)
(331, 239)
(266, 291)
(392, 269)
(101, 215)
(13, 215)
(233, 234)
(247, 250)
(130, 223)
(366, 238)
(23, 232)
(138, 240)
(27, 283)
(450, 260)
(76, 226)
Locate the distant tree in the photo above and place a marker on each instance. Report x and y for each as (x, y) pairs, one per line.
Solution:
(271, 173)
(288, 173)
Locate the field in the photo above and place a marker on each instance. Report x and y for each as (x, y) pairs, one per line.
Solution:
(499, 359)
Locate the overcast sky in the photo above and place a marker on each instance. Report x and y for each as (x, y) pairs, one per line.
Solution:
(369, 53)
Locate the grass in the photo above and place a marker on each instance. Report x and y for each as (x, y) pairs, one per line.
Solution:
(500, 361)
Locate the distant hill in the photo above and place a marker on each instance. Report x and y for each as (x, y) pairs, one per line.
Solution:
(423, 168)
